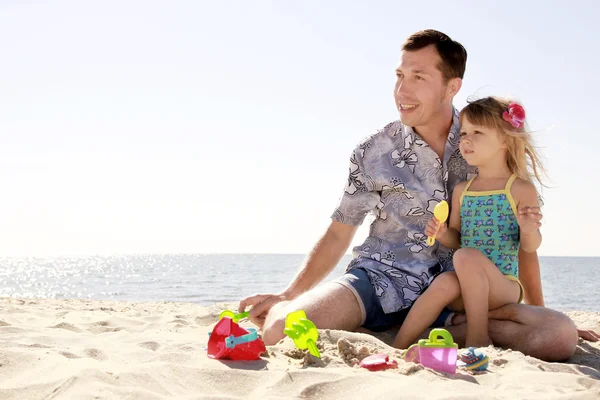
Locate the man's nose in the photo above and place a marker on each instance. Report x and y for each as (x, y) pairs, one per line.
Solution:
(402, 88)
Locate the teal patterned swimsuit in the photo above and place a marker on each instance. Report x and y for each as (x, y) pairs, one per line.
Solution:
(488, 223)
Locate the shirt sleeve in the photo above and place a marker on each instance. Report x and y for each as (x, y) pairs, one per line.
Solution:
(359, 196)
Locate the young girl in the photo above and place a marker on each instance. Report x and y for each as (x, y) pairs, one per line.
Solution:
(491, 216)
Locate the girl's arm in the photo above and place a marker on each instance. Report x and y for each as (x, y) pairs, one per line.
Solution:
(451, 238)
(529, 275)
(528, 215)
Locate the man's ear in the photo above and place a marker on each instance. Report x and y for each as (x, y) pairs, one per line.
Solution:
(453, 86)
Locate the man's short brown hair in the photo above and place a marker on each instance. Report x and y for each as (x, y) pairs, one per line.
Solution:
(453, 54)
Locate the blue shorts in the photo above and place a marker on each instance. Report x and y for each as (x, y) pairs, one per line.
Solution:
(373, 317)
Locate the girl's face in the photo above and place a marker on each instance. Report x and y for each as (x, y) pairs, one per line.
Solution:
(480, 145)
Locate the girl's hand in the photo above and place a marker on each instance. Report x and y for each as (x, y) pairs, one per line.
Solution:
(529, 219)
(435, 228)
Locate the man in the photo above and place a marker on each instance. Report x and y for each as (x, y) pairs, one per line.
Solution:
(400, 174)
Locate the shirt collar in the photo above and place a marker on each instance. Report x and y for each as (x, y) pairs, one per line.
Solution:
(453, 135)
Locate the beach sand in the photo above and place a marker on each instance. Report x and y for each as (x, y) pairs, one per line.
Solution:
(83, 349)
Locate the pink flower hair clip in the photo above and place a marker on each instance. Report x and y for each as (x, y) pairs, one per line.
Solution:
(515, 115)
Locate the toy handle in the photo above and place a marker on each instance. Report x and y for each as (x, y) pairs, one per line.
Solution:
(243, 315)
(444, 334)
(430, 240)
(234, 317)
(232, 341)
(312, 348)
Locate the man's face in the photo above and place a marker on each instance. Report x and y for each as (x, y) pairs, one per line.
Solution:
(421, 90)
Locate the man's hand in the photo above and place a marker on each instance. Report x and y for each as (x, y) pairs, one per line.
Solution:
(261, 304)
(588, 335)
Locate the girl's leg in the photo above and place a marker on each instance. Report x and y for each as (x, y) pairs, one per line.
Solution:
(442, 291)
(483, 288)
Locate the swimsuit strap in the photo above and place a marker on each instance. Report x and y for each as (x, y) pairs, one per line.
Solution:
(511, 200)
(468, 184)
(462, 195)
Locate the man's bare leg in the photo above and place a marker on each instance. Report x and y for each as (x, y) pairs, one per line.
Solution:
(329, 306)
(535, 331)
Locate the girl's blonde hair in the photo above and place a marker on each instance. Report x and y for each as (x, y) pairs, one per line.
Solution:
(523, 159)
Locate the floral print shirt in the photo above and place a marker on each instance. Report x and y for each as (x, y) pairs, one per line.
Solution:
(398, 178)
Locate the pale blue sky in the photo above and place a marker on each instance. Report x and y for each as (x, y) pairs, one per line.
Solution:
(197, 126)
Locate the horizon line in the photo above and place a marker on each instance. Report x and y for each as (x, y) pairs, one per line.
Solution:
(146, 254)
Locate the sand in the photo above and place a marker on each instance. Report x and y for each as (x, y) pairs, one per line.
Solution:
(83, 349)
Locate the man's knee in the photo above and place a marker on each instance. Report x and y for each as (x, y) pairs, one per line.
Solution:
(329, 306)
(536, 331)
(563, 337)
(272, 330)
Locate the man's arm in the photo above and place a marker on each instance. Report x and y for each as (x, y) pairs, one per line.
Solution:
(318, 264)
(358, 199)
(529, 275)
(323, 258)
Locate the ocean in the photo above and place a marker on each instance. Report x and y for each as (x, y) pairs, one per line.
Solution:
(569, 283)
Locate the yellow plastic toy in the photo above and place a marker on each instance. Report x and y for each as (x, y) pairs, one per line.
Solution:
(440, 212)
(302, 331)
(235, 317)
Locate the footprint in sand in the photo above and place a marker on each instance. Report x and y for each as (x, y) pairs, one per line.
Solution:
(554, 367)
(69, 327)
(68, 355)
(180, 321)
(206, 319)
(95, 354)
(11, 329)
(102, 309)
(37, 346)
(62, 314)
(154, 318)
(149, 345)
(2, 323)
(103, 327)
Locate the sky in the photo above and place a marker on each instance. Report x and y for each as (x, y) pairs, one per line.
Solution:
(226, 127)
